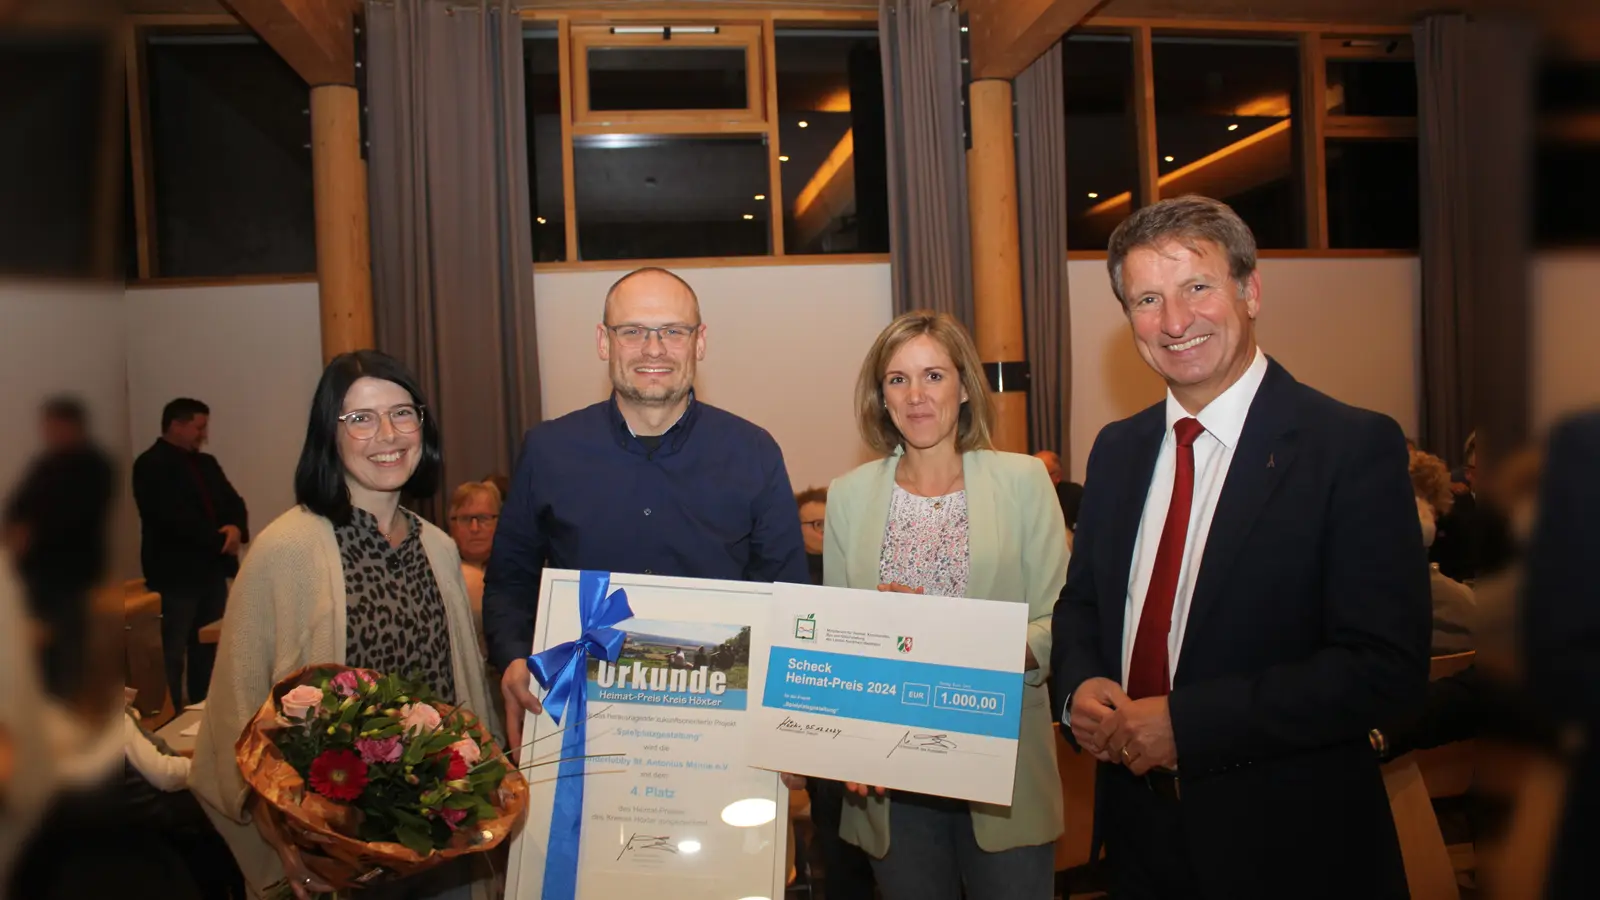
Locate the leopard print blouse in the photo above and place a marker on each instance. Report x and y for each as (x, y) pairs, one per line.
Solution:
(394, 616)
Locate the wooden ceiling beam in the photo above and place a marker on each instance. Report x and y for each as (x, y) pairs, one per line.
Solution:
(315, 37)
(1006, 36)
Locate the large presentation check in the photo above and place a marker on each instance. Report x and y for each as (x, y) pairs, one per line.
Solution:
(670, 806)
(904, 691)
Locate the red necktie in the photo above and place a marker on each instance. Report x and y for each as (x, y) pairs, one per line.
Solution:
(1148, 674)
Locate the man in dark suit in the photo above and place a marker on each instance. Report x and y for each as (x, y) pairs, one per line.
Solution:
(1248, 594)
(193, 524)
(55, 524)
(1561, 616)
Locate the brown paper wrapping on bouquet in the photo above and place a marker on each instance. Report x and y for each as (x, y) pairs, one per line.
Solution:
(323, 829)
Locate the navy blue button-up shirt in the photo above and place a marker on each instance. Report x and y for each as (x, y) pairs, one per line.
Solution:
(711, 500)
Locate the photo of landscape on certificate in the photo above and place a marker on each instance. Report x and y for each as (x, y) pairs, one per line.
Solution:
(698, 664)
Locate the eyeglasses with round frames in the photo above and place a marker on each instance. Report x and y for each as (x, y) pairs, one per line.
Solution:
(363, 424)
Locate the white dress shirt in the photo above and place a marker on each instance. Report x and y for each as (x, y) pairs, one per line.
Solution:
(1223, 419)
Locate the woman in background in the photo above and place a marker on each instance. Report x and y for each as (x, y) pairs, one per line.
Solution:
(347, 576)
(945, 514)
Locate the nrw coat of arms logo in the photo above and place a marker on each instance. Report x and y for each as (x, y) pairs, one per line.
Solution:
(903, 643)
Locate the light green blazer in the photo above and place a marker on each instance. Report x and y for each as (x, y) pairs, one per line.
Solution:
(1017, 549)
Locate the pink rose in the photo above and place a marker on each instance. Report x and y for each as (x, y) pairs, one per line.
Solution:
(468, 750)
(298, 703)
(387, 750)
(452, 817)
(419, 717)
(349, 682)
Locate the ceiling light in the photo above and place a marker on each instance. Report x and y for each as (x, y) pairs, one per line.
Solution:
(688, 847)
(750, 813)
(963, 29)
(783, 159)
(1167, 158)
(748, 217)
(1234, 127)
(761, 196)
(804, 124)
(1093, 195)
(540, 220)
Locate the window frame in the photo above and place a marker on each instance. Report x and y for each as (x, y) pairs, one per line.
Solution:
(584, 37)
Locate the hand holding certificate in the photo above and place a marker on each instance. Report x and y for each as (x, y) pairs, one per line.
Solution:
(914, 693)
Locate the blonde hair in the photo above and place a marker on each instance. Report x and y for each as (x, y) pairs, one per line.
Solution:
(1430, 481)
(473, 489)
(976, 422)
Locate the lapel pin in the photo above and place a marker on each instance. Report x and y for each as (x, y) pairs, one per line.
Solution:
(1269, 460)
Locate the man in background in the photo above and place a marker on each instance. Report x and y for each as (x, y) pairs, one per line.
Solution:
(1052, 464)
(55, 527)
(813, 503)
(193, 524)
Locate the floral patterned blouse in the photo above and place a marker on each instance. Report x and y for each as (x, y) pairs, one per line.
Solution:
(925, 543)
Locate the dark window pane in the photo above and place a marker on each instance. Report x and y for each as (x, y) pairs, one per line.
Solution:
(830, 113)
(50, 113)
(630, 78)
(1102, 160)
(1379, 87)
(1569, 87)
(231, 140)
(1568, 191)
(541, 59)
(659, 196)
(1224, 117)
(1372, 194)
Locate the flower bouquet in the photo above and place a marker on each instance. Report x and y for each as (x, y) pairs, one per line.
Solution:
(376, 778)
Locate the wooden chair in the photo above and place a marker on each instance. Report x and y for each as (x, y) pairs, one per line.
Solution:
(1429, 872)
(1077, 800)
(1448, 770)
(145, 668)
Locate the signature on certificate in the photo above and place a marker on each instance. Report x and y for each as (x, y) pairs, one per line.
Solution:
(648, 843)
(790, 726)
(924, 742)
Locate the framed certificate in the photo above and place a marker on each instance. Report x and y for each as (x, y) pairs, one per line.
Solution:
(670, 806)
(905, 691)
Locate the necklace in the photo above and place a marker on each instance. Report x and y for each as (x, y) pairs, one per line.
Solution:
(386, 532)
(938, 502)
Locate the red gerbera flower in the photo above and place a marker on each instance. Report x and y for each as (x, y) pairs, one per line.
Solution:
(338, 774)
(457, 767)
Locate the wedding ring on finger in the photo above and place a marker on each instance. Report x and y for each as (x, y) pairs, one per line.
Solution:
(1125, 758)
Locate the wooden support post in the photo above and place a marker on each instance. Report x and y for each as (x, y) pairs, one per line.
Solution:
(996, 251)
(344, 256)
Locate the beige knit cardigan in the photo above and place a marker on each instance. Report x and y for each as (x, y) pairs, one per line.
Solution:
(287, 610)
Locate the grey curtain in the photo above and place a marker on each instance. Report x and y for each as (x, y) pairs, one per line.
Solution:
(929, 245)
(1042, 210)
(1474, 120)
(451, 246)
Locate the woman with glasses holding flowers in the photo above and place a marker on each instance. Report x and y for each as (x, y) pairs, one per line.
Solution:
(347, 576)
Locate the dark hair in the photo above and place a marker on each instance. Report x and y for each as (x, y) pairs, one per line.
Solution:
(319, 483)
(182, 410)
(66, 409)
(811, 495)
(1070, 495)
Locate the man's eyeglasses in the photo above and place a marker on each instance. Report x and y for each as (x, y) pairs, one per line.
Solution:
(813, 523)
(475, 521)
(363, 424)
(672, 336)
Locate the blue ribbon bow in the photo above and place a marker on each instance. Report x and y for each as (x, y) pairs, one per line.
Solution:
(563, 671)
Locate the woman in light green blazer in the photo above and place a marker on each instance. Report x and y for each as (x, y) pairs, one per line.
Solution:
(945, 514)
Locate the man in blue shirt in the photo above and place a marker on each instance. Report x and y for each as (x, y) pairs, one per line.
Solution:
(649, 481)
